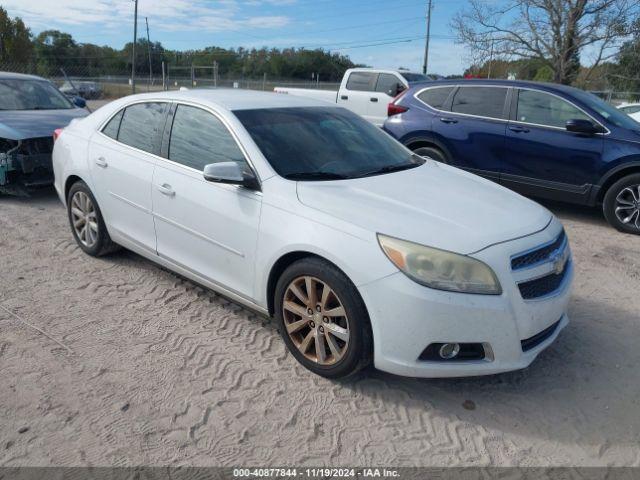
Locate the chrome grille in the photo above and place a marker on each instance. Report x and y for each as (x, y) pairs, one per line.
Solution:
(539, 255)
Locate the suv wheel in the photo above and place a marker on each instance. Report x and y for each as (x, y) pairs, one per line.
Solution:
(322, 319)
(431, 152)
(622, 204)
(86, 221)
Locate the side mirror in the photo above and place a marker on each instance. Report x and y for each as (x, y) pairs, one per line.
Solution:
(79, 102)
(231, 173)
(396, 90)
(585, 127)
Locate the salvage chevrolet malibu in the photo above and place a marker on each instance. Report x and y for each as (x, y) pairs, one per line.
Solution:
(360, 249)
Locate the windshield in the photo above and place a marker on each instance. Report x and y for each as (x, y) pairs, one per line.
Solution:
(19, 94)
(608, 111)
(324, 143)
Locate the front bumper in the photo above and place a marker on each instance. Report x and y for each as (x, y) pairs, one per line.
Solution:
(407, 317)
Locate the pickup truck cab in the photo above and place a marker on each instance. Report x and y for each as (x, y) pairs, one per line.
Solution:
(364, 91)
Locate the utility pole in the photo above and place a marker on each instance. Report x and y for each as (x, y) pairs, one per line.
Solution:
(149, 48)
(426, 47)
(133, 51)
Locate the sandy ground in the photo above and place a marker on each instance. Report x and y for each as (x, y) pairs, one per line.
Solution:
(164, 372)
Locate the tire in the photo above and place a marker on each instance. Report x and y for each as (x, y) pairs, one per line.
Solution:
(341, 358)
(95, 241)
(624, 193)
(431, 152)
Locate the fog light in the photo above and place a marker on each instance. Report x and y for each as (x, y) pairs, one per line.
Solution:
(449, 351)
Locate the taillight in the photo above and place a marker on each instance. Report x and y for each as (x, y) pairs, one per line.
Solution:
(56, 133)
(393, 108)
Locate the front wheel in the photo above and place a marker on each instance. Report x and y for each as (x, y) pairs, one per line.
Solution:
(322, 319)
(622, 204)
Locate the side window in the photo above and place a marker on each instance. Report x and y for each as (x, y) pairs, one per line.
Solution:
(140, 125)
(480, 101)
(436, 97)
(388, 84)
(111, 128)
(362, 81)
(199, 138)
(545, 109)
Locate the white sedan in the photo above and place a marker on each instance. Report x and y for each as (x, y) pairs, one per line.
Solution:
(361, 250)
(631, 109)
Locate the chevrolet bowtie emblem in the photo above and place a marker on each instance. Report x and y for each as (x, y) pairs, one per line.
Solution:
(559, 260)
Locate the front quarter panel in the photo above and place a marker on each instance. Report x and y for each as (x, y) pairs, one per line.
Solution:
(288, 226)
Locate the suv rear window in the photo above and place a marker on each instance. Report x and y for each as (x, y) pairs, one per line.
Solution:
(480, 101)
(436, 97)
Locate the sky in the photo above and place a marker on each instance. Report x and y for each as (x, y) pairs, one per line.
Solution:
(379, 33)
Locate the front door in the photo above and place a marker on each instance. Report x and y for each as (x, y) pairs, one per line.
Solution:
(543, 158)
(208, 228)
(121, 160)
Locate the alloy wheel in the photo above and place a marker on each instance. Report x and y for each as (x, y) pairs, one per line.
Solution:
(84, 219)
(316, 320)
(628, 206)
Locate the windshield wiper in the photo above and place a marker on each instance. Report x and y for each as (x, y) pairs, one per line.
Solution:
(392, 168)
(315, 176)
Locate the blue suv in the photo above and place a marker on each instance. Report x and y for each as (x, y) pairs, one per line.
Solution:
(544, 140)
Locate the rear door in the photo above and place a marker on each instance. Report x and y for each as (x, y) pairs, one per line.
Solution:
(471, 127)
(208, 228)
(121, 160)
(386, 89)
(541, 156)
(359, 90)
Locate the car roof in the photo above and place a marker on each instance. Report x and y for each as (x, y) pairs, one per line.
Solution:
(233, 99)
(19, 76)
(554, 87)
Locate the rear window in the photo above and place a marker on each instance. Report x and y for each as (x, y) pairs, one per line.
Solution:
(436, 97)
(362, 81)
(140, 125)
(480, 101)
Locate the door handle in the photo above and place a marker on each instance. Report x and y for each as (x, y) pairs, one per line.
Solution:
(344, 97)
(166, 189)
(373, 99)
(518, 129)
(101, 162)
(448, 120)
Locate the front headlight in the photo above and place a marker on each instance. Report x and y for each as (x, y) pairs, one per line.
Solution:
(440, 269)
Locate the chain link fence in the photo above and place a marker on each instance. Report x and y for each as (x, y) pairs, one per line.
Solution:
(95, 82)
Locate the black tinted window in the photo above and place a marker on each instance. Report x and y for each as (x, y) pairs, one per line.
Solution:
(481, 101)
(140, 125)
(388, 84)
(436, 97)
(111, 128)
(198, 138)
(363, 81)
(323, 142)
(544, 109)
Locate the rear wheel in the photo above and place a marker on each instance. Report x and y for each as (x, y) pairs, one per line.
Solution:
(86, 221)
(431, 152)
(322, 319)
(622, 204)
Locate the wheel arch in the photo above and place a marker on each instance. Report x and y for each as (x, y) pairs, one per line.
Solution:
(417, 142)
(614, 175)
(282, 263)
(71, 179)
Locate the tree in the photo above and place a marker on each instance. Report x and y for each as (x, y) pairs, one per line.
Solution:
(15, 41)
(556, 32)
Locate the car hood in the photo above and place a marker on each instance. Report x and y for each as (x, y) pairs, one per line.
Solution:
(21, 124)
(432, 205)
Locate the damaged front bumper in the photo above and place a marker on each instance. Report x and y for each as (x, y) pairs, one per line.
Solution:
(25, 164)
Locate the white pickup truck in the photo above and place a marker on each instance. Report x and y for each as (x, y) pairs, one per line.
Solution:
(364, 91)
